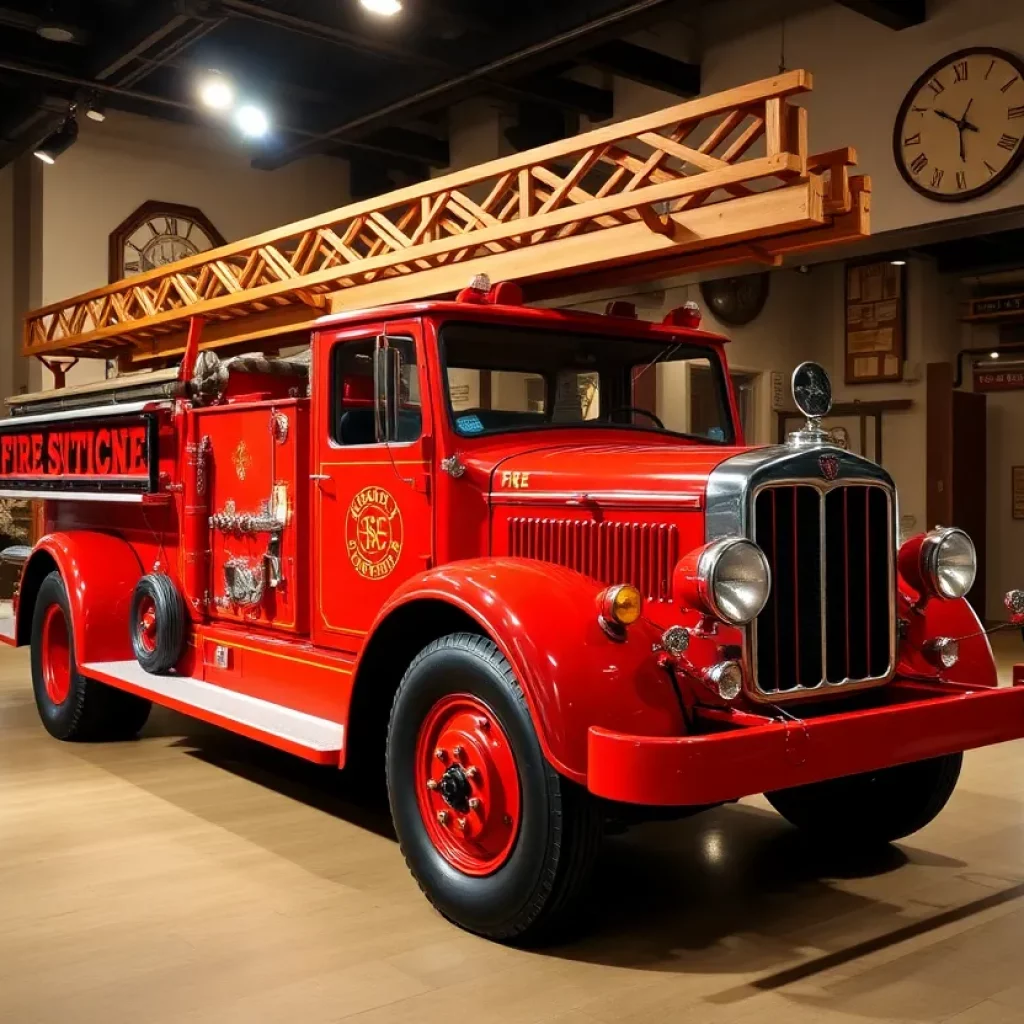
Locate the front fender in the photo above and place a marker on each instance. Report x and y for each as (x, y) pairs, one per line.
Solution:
(99, 572)
(956, 619)
(544, 619)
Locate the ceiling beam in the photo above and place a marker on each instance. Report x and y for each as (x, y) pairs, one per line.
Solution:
(640, 64)
(565, 93)
(894, 14)
(11, 18)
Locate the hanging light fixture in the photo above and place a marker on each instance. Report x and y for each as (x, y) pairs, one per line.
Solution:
(58, 142)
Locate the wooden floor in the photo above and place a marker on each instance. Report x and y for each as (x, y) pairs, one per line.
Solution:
(193, 876)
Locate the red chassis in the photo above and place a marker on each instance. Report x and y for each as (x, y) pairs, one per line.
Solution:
(470, 536)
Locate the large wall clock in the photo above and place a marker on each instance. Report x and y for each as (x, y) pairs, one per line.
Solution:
(960, 129)
(158, 233)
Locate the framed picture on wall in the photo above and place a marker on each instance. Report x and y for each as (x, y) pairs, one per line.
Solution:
(875, 315)
(1017, 492)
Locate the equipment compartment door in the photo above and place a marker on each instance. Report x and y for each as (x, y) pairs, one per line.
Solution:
(371, 500)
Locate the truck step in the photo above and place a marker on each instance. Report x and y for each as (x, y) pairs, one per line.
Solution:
(316, 739)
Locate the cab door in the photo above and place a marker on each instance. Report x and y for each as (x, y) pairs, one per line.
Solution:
(371, 476)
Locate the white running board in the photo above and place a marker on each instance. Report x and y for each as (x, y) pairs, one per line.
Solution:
(274, 719)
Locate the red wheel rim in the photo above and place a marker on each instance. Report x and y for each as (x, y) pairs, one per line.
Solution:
(146, 624)
(467, 785)
(56, 654)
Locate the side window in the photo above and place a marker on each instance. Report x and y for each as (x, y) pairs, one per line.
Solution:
(352, 390)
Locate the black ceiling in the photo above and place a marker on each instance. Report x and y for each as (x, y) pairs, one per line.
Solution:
(337, 79)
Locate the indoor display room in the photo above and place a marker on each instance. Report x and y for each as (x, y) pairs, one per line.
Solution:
(511, 509)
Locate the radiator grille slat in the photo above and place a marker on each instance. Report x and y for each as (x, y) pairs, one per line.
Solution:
(840, 539)
(643, 554)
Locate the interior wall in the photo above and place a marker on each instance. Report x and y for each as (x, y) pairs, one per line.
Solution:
(120, 164)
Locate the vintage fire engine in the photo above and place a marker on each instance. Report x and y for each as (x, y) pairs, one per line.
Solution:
(330, 507)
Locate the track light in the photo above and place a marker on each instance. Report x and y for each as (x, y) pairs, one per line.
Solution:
(993, 355)
(252, 121)
(96, 111)
(216, 91)
(385, 8)
(898, 263)
(58, 142)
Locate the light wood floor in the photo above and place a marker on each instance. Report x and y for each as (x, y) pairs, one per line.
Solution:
(193, 876)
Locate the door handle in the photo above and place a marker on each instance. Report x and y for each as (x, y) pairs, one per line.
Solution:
(319, 476)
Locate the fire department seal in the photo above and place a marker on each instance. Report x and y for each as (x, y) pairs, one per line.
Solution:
(373, 533)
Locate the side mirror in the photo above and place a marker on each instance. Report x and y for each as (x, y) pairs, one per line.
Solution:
(387, 388)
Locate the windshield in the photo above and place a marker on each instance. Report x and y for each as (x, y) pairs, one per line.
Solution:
(503, 378)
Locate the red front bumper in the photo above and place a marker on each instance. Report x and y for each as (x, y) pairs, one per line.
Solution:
(748, 754)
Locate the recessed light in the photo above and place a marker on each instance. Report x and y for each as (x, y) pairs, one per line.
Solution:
(898, 263)
(216, 91)
(252, 121)
(385, 8)
(56, 33)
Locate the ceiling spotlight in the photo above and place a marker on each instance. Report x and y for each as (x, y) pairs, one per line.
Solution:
(252, 121)
(55, 33)
(898, 263)
(96, 111)
(993, 355)
(58, 142)
(216, 91)
(385, 8)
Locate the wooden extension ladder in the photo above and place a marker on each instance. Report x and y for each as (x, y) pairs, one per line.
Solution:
(722, 179)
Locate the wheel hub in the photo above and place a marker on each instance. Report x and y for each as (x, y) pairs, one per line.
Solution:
(56, 654)
(467, 785)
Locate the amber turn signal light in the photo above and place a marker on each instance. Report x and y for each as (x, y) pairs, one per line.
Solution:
(621, 605)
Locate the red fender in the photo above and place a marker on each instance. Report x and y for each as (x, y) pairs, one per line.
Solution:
(544, 619)
(100, 572)
(956, 619)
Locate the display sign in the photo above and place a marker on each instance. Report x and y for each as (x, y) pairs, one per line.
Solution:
(1018, 492)
(997, 305)
(116, 453)
(875, 318)
(1009, 379)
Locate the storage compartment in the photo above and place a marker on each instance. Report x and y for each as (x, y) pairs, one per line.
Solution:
(257, 461)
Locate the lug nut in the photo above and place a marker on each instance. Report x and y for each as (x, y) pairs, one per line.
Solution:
(474, 803)
(507, 819)
(461, 822)
(442, 817)
(440, 754)
(483, 723)
(457, 751)
(472, 772)
(431, 784)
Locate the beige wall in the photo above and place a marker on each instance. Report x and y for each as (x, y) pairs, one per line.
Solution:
(118, 165)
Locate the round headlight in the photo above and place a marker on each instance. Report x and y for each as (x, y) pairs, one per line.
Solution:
(948, 562)
(734, 580)
(621, 605)
(726, 679)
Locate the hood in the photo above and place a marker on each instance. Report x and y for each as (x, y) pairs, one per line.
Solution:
(609, 473)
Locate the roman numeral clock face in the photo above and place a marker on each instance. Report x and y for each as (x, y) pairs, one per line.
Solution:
(960, 130)
(156, 234)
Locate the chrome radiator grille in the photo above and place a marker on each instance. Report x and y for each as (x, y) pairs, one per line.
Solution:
(829, 620)
(643, 554)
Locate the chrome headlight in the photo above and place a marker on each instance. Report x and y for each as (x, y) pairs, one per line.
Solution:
(948, 562)
(734, 580)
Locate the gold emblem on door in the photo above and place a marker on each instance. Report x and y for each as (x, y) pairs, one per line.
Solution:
(373, 533)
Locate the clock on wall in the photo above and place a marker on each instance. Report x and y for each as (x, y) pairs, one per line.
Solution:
(960, 129)
(158, 233)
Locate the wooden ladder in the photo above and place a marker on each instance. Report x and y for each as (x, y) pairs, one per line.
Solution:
(718, 180)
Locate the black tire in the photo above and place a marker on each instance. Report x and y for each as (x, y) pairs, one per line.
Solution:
(89, 710)
(874, 808)
(560, 827)
(158, 651)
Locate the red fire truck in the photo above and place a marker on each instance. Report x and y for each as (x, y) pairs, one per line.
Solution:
(331, 507)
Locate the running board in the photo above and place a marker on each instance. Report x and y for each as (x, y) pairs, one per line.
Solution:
(315, 739)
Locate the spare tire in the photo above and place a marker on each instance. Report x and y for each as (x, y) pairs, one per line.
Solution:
(157, 623)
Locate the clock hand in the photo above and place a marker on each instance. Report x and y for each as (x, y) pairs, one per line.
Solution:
(948, 117)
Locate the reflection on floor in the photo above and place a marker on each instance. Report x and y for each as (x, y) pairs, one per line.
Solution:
(193, 876)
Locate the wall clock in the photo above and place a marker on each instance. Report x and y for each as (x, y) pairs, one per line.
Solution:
(960, 129)
(736, 300)
(158, 233)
